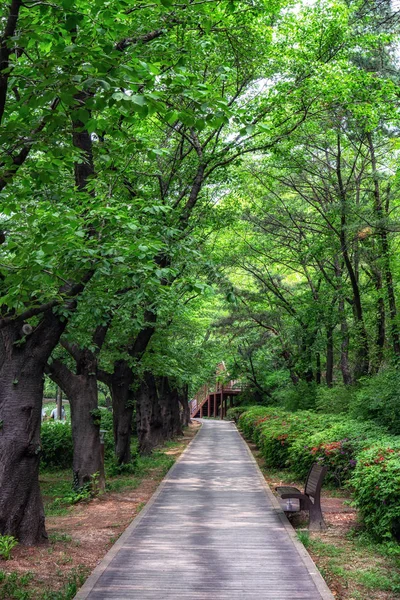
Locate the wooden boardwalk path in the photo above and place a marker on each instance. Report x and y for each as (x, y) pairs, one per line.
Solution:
(213, 531)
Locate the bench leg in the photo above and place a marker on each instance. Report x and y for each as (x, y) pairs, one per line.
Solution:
(317, 522)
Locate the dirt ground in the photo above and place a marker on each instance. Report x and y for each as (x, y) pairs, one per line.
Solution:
(78, 541)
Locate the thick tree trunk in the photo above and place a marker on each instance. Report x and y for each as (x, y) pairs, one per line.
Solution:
(81, 390)
(184, 402)
(148, 416)
(123, 401)
(87, 461)
(169, 402)
(22, 364)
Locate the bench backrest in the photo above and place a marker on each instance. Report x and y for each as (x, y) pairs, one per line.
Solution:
(314, 480)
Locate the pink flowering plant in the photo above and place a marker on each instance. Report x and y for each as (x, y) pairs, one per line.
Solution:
(376, 483)
(335, 447)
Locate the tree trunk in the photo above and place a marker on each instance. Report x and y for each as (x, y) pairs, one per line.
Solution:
(123, 401)
(362, 354)
(81, 390)
(344, 346)
(385, 252)
(329, 356)
(169, 402)
(22, 364)
(377, 358)
(318, 368)
(148, 416)
(185, 412)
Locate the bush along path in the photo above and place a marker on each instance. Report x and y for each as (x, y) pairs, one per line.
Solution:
(359, 554)
(81, 529)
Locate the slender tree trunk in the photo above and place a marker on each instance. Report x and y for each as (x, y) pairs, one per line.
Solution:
(344, 330)
(22, 364)
(318, 368)
(329, 356)
(377, 358)
(81, 390)
(385, 252)
(362, 355)
(344, 346)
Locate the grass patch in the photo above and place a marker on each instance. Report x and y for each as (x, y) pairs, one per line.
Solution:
(17, 587)
(56, 486)
(59, 537)
(157, 460)
(359, 566)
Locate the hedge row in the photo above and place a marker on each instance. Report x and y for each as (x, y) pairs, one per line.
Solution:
(56, 443)
(357, 453)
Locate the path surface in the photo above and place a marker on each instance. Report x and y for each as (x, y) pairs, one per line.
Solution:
(212, 532)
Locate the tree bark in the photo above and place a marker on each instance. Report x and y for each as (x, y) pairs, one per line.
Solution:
(377, 358)
(318, 368)
(169, 401)
(148, 415)
(385, 252)
(184, 402)
(81, 390)
(329, 356)
(123, 401)
(22, 364)
(361, 367)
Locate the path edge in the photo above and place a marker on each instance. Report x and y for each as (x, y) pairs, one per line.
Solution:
(310, 565)
(87, 587)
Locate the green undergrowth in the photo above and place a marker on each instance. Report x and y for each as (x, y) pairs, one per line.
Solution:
(23, 587)
(56, 485)
(356, 564)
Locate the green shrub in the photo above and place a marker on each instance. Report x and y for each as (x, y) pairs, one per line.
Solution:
(335, 446)
(277, 435)
(378, 399)
(234, 413)
(56, 445)
(299, 397)
(250, 420)
(376, 481)
(334, 400)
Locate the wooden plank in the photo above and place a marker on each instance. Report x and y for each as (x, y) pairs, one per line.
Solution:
(211, 533)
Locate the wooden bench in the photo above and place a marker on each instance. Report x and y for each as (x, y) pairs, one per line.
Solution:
(309, 500)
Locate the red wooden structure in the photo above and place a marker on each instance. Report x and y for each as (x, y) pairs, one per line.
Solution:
(215, 397)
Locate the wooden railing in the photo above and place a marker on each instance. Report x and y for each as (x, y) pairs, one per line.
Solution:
(212, 388)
